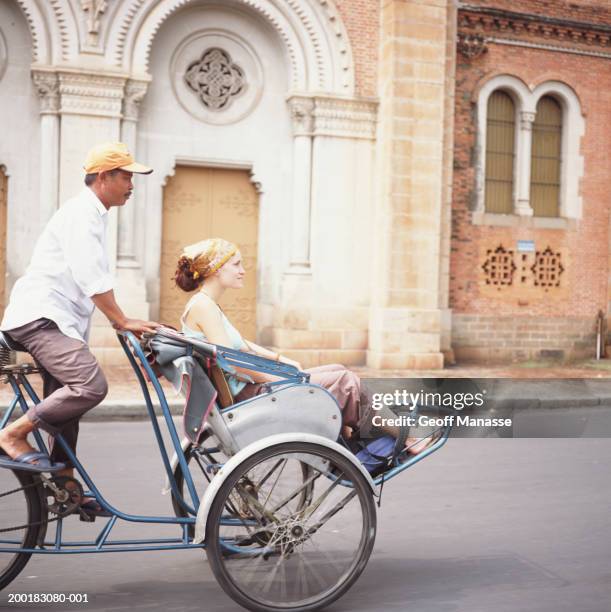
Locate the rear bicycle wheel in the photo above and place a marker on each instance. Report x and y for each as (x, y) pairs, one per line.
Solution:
(199, 461)
(269, 550)
(22, 509)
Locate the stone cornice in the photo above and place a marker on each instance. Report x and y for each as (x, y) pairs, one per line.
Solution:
(91, 94)
(78, 92)
(490, 22)
(333, 116)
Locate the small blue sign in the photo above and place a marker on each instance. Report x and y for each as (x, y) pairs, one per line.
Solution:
(526, 246)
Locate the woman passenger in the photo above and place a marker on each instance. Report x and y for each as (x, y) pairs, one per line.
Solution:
(214, 265)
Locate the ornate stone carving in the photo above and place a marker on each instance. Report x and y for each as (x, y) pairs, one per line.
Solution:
(91, 94)
(328, 30)
(36, 28)
(216, 79)
(471, 45)
(94, 10)
(345, 117)
(328, 116)
(301, 108)
(66, 26)
(47, 87)
(118, 49)
(134, 94)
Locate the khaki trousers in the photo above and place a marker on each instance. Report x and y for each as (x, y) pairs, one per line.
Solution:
(73, 381)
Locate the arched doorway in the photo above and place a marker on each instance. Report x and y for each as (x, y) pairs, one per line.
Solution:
(203, 203)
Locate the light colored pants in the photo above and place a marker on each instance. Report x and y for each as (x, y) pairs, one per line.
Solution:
(344, 385)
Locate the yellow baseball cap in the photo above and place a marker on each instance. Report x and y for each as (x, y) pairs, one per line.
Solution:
(110, 156)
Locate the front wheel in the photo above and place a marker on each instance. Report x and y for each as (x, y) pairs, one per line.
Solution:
(21, 520)
(269, 551)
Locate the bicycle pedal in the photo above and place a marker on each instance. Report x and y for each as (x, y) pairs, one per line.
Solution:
(85, 517)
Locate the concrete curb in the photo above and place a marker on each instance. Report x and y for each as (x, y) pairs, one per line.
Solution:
(532, 395)
(118, 410)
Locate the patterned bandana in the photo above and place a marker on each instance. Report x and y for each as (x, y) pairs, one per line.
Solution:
(209, 255)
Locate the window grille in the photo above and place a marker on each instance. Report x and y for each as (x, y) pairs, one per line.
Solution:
(500, 155)
(546, 159)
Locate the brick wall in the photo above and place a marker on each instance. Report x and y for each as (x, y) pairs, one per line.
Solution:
(493, 339)
(362, 21)
(568, 314)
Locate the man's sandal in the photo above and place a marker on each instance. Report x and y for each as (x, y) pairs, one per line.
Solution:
(32, 461)
(91, 509)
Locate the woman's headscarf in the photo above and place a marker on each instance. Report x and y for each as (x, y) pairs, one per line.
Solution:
(207, 256)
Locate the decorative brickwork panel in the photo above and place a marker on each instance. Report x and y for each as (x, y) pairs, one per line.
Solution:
(547, 269)
(523, 278)
(499, 268)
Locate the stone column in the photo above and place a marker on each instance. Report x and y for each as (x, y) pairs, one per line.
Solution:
(130, 285)
(448, 165)
(322, 311)
(126, 254)
(47, 86)
(301, 108)
(523, 207)
(407, 301)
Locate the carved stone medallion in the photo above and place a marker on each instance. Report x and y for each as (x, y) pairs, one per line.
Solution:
(216, 79)
(216, 76)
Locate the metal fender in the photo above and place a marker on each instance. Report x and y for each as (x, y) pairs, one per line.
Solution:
(255, 447)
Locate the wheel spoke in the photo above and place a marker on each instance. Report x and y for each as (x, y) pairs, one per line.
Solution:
(314, 534)
(21, 518)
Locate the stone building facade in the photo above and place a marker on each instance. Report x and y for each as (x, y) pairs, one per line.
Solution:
(339, 142)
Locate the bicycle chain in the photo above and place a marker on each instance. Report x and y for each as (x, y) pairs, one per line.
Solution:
(26, 525)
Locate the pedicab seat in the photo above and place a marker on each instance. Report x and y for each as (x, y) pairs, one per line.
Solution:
(8, 344)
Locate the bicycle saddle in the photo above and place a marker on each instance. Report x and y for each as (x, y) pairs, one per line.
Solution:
(8, 343)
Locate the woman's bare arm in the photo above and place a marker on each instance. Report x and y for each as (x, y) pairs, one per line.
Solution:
(263, 352)
(206, 317)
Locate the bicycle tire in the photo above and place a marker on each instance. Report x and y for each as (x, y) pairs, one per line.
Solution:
(232, 582)
(33, 504)
(179, 510)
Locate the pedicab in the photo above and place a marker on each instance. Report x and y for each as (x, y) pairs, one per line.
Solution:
(267, 487)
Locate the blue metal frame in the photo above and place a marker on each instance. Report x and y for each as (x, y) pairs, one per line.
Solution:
(226, 358)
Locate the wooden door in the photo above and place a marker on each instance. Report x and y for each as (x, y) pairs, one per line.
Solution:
(201, 203)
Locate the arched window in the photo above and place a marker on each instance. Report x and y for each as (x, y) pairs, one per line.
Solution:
(500, 139)
(546, 158)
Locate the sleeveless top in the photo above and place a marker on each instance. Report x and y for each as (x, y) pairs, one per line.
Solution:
(235, 339)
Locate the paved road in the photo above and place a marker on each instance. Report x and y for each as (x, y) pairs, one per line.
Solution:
(486, 524)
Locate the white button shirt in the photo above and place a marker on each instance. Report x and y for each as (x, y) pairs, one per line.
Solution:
(69, 265)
